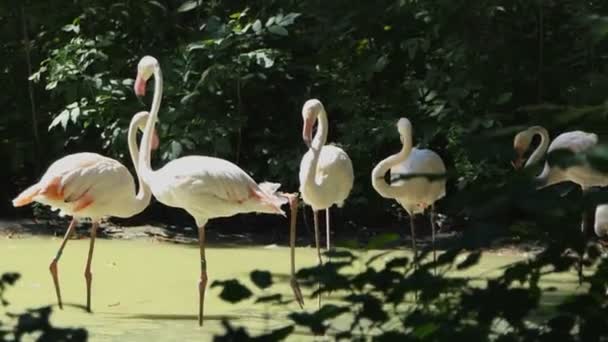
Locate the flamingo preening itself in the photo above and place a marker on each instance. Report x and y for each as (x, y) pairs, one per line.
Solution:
(206, 187)
(420, 180)
(89, 185)
(583, 174)
(576, 142)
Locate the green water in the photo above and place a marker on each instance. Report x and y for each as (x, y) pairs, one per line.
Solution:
(147, 291)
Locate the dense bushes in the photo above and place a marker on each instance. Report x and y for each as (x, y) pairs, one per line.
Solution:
(237, 74)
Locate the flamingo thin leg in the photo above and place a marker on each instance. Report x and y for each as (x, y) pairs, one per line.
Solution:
(327, 230)
(584, 237)
(413, 232)
(53, 265)
(316, 221)
(87, 271)
(433, 234)
(202, 285)
(293, 205)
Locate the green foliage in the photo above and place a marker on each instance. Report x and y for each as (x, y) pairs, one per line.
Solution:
(237, 74)
(392, 300)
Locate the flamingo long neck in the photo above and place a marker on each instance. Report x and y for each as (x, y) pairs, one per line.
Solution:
(380, 185)
(145, 167)
(540, 151)
(315, 147)
(543, 178)
(144, 195)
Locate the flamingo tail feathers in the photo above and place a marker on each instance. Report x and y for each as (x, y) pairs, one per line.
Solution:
(27, 196)
(269, 195)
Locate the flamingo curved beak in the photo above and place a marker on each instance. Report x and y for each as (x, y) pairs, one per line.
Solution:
(140, 86)
(307, 131)
(518, 163)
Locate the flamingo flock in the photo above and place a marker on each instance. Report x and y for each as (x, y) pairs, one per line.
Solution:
(91, 186)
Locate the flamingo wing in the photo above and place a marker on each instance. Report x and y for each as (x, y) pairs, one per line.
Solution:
(576, 141)
(70, 183)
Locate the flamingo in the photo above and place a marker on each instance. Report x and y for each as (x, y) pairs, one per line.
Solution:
(584, 174)
(601, 220)
(89, 185)
(326, 171)
(419, 192)
(577, 142)
(206, 187)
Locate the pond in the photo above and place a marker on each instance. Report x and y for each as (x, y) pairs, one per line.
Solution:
(144, 289)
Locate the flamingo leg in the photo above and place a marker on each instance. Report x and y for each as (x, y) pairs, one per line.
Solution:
(202, 285)
(53, 265)
(413, 232)
(87, 271)
(327, 230)
(582, 255)
(433, 235)
(293, 205)
(584, 236)
(316, 221)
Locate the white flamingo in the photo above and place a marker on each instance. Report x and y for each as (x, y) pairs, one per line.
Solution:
(89, 185)
(582, 174)
(205, 187)
(576, 142)
(601, 220)
(326, 171)
(419, 191)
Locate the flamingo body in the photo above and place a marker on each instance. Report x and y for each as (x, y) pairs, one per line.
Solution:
(208, 187)
(419, 192)
(584, 175)
(334, 178)
(84, 185)
(576, 141)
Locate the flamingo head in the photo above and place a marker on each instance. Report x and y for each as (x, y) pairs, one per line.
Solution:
(145, 69)
(310, 112)
(521, 143)
(404, 127)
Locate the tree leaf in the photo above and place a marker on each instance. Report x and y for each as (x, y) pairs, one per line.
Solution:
(278, 30)
(62, 119)
(257, 26)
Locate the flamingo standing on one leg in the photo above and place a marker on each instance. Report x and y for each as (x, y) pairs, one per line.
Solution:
(205, 187)
(326, 171)
(89, 185)
(419, 192)
(584, 175)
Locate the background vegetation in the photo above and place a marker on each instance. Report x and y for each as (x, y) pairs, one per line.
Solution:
(468, 74)
(238, 72)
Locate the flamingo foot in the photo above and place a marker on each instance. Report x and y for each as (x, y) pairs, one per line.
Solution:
(202, 285)
(55, 275)
(89, 279)
(297, 292)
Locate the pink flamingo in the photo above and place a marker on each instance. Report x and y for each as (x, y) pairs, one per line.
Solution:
(89, 185)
